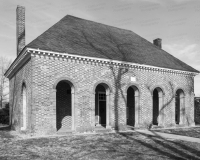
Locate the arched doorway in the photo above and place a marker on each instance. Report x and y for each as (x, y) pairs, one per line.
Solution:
(157, 106)
(24, 107)
(102, 93)
(132, 106)
(64, 119)
(179, 106)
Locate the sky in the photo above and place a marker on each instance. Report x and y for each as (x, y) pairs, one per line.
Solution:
(176, 22)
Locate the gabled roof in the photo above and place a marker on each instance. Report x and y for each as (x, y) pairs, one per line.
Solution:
(86, 38)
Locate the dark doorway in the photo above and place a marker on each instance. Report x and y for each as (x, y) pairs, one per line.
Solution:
(155, 107)
(100, 105)
(177, 109)
(130, 106)
(63, 105)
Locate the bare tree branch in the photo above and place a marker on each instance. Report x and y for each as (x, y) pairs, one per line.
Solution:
(4, 91)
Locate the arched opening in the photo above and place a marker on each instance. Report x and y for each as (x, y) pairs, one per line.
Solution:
(24, 108)
(157, 106)
(179, 106)
(64, 118)
(102, 93)
(132, 106)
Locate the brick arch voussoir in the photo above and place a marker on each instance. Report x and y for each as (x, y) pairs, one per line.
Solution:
(24, 83)
(99, 82)
(157, 86)
(181, 88)
(133, 84)
(71, 82)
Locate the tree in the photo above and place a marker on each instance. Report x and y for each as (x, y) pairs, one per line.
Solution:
(4, 83)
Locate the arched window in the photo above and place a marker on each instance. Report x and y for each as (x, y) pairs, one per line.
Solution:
(179, 106)
(24, 108)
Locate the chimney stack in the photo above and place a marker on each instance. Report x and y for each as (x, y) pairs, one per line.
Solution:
(20, 30)
(158, 42)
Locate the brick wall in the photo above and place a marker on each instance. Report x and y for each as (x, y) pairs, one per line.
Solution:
(84, 76)
(15, 97)
(20, 30)
(197, 110)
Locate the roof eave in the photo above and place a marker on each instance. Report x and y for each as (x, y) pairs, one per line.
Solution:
(20, 60)
(115, 61)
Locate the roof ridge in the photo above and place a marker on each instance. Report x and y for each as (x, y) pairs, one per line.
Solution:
(120, 29)
(100, 23)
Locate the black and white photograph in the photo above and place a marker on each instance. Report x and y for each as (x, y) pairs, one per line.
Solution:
(99, 79)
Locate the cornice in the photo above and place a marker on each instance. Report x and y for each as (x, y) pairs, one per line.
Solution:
(28, 52)
(106, 62)
(18, 63)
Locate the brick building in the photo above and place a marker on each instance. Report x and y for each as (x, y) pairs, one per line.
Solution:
(80, 75)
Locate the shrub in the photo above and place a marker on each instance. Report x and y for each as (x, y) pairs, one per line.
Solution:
(4, 115)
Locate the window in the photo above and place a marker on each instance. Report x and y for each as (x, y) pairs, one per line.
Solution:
(24, 102)
(102, 97)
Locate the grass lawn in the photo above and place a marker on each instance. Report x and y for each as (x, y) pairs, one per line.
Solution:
(191, 132)
(130, 145)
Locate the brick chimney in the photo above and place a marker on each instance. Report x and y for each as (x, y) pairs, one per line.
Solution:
(20, 30)
(158, 42)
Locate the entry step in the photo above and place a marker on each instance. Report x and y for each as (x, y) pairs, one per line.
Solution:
(156, 126)
(65, 131)
(102, 129)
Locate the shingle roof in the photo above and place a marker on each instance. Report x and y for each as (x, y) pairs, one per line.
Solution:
(83, 37)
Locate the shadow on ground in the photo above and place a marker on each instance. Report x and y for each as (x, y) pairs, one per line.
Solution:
(126, 145)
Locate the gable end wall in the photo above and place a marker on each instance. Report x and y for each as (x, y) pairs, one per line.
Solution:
(23, 75)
